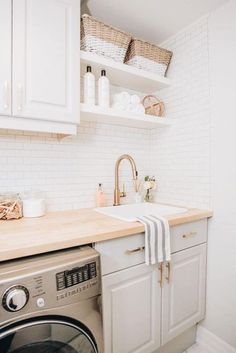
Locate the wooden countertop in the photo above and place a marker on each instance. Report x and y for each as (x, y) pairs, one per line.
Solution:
(60, 230)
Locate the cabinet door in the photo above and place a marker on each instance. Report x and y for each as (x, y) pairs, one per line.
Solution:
(131, 310)
(5, 57)
(46, 59)
(183, 299)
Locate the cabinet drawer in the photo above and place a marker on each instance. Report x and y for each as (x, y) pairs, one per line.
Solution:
(117, 254)
(187, 235)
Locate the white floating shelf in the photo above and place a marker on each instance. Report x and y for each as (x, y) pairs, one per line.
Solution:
(112, 117)
(123, 75)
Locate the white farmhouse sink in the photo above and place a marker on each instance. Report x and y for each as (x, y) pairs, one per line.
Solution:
(130, 212)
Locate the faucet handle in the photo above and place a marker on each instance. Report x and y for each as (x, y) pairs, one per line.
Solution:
(123, 193)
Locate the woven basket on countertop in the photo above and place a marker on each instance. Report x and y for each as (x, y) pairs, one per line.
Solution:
(149, 57)
(102, 39)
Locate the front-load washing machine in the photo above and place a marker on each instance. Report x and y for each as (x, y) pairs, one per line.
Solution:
(51, 303)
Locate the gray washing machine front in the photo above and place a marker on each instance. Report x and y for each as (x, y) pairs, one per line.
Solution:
(51, 303)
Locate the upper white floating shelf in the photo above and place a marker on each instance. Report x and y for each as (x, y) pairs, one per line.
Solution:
(124, 75)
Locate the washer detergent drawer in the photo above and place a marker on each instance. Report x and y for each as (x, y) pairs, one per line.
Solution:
(120, 253)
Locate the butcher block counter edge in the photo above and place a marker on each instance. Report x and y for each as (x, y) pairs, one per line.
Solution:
(66, 229)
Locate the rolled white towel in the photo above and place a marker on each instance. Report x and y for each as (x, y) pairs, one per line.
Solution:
(121, 101)
(134, 99)
(125, 97)
(118, 106)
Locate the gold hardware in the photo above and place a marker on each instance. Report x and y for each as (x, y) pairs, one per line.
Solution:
(160, 268)
(131, 251)
(189, 235)
(168, 266)
(123, 193)
(117, 193)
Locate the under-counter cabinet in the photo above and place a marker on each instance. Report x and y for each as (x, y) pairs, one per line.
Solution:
(183, 294)
(145, 307)
(39, 68)
(132, 307)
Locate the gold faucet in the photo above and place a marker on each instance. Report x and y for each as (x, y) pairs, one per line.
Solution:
(117, 193)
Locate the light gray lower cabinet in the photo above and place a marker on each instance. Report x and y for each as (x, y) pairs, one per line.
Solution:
(183, 296)
(140, 314)
(132, 310)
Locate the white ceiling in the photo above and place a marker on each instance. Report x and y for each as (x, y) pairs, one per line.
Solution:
(153, 20)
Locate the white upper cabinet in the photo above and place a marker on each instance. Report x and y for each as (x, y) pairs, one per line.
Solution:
(183, 299)
(46, 59)
(5, 57)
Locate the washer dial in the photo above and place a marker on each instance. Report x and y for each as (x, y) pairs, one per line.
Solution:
(15, 298)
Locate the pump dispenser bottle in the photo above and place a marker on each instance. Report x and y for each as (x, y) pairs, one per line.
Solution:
(100, 197)
(89, 87)
(103, 90)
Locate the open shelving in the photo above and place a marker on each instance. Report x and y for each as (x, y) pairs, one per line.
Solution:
(124, 75)
(112, 117)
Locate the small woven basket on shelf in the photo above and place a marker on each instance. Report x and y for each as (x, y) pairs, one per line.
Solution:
(149, 57)
(102, 39)
(153, 106)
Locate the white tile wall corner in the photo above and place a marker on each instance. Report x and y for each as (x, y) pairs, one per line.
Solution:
(68, 171)
(181, 153)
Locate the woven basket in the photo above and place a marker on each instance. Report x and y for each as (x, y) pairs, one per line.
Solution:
(149, 57)
(103, 39)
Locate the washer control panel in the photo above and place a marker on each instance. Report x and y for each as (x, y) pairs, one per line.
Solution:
(49, 281)
(76, 276)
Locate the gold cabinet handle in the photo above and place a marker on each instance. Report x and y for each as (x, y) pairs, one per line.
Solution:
(168, 266)
(160, 268)
(189, 235)
(132, 251)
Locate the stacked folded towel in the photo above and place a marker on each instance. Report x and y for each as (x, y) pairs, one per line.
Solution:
(124, 101)
(157, 239)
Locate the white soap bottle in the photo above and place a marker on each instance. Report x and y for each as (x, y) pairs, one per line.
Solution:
(89, 87)
(103, 90)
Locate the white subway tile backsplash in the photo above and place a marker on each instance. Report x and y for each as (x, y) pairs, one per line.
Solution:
(68, 170)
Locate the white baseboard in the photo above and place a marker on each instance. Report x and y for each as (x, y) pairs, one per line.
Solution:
(211, 343)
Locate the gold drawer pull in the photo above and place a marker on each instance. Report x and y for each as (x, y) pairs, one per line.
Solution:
(132, 251)
(189, 235)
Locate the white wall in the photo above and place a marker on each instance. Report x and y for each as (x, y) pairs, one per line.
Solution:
(69, 170)
(180, 158)
(221, 292)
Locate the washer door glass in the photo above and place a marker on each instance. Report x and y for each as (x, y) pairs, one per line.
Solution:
(47, 336)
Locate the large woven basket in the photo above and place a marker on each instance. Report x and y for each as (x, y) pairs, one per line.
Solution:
(149, 57)
(102, 39)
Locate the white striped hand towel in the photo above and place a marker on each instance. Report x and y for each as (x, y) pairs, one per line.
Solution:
(157, 239)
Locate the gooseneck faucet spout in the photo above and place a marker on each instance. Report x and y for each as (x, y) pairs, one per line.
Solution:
(117, 193)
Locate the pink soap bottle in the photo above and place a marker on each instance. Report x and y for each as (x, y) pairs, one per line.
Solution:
(100, 197)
